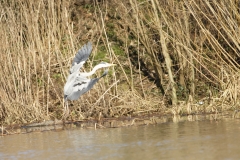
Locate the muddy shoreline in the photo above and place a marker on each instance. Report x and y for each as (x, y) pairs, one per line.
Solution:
(149, 119)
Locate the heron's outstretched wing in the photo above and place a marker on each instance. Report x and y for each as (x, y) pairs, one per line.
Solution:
(80, 58)
(82, 86)
(83, 54)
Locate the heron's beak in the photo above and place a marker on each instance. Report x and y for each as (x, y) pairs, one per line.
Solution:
(113, 64)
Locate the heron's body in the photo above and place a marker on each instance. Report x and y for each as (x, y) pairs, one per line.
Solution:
(77, 82)
(74, 83)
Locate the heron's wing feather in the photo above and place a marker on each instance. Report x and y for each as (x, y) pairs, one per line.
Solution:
(76, 67)
(82, 88)
(83, 54)
(82, 85)
(73, 83)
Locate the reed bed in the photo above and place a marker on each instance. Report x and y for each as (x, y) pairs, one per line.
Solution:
(190, 48)
(167, 52)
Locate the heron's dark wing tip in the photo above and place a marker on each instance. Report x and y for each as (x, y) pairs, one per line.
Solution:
(83, 53)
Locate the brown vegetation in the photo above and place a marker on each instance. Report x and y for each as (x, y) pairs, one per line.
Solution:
(168, 53)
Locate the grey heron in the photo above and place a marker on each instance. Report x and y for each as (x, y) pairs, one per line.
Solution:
(78, 82)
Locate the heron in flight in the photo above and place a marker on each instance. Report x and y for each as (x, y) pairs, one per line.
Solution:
(78, 82)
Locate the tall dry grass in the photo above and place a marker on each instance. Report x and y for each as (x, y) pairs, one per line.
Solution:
(37, 47)
(34, 48)
(190, 47)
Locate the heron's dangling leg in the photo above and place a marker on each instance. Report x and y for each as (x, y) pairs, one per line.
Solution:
(66, 110)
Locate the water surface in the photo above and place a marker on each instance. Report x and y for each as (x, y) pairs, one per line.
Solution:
(184, 139)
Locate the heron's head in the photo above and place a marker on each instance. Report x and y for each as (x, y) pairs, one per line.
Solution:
(105, 64)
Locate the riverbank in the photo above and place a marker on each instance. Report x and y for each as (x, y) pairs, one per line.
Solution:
(103, 123)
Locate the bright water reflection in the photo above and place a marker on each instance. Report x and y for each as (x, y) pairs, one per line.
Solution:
(204, 139)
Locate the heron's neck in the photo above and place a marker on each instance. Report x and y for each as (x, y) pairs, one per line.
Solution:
(86, 74)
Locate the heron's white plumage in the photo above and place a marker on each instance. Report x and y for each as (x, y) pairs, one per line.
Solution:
(77, 82)
(76, 67)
